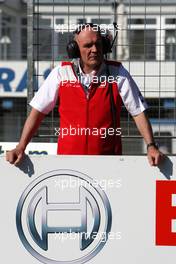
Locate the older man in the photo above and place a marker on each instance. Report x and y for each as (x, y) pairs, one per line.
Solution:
(89, 91)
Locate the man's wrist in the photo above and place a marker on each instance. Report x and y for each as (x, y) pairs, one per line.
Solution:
(152, 144)
(20, 147)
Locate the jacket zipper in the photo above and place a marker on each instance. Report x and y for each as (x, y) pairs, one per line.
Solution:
(87, 118)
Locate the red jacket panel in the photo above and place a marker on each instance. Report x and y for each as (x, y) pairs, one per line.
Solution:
(86, 120)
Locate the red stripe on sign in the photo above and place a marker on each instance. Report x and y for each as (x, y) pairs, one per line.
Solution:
(165, 213)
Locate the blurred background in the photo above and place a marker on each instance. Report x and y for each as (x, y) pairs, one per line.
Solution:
(33, 38)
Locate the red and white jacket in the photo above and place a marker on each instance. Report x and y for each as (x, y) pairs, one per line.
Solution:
(90, 109)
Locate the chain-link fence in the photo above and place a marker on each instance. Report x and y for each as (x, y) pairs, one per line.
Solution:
(146, 45)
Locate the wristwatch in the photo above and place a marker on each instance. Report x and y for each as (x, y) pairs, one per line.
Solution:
(152, 144)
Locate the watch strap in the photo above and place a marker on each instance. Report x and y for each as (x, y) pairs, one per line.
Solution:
(152, 144)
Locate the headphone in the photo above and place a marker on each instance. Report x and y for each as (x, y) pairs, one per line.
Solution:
(73, 48)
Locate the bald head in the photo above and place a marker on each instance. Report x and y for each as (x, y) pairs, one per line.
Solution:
(87, 28)
(89, 41)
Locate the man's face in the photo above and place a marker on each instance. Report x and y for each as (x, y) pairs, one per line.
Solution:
(90, 46)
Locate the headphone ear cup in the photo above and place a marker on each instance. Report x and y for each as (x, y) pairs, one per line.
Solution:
(106, 45)
(73, 50)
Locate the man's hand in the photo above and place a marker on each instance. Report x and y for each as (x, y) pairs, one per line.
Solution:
(154, 156)
(15, 156)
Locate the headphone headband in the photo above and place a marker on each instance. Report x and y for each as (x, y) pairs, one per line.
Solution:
(73, 48)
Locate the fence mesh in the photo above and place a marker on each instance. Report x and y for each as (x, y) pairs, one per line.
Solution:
(146, 45)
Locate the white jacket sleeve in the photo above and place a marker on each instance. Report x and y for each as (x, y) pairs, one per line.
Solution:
(46, 97)
(130, 93)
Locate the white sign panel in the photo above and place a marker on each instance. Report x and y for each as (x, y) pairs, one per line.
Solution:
(13, 77)
(67, 209)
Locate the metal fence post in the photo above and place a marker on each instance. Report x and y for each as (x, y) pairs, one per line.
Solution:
(30, 63)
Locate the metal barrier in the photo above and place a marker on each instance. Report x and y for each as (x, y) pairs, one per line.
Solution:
(49, 205)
